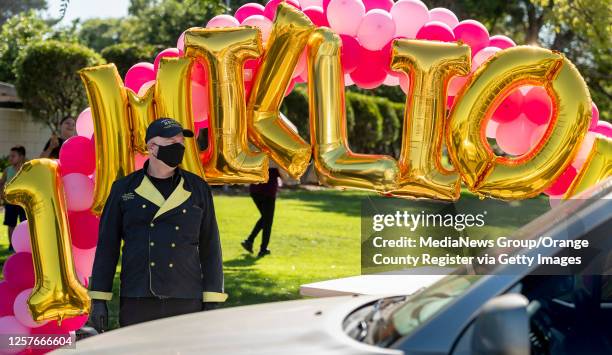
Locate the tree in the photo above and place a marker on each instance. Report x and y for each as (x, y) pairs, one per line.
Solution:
(9, 9)
(98, 34)
(48, 81)
(16, 34)
(125, 55)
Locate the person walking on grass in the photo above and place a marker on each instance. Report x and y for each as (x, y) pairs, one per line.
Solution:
(13, 213)
(264, 196)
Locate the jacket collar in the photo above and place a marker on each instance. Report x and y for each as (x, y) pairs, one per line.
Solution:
(147, 190)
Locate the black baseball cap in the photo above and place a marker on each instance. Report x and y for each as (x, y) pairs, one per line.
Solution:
(166, 127)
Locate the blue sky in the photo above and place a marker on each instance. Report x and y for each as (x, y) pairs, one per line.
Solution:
(85, 9)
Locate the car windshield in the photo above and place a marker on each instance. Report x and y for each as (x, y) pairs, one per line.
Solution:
(429, 301)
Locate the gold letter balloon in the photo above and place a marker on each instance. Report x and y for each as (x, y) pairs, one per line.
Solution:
(57, 294)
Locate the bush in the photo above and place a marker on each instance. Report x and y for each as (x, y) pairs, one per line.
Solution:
(48, 81)
(124, 55)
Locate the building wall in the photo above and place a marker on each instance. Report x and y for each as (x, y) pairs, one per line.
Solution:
(18, 128)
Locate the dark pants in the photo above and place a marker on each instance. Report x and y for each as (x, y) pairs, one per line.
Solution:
(265, 205)
(133, 310)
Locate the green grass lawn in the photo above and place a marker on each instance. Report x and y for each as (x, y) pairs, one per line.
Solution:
(315, 236)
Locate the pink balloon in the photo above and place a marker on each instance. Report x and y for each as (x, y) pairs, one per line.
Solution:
(563, 182)
(472, 33)
(290, 87)
(145, 87)
(77, 155)
(391, 80)
(83, 260)
(247, 10)
(510, 108)
(199, 101)
(482, 56)
(316, 15)
(443, 15)
(603, 128)
(584, 150)
(537, 105)
(261, 22)
(514, 137)
(78, 189)
(18, 270)
(83, 229)
(378, 4)
(376, 29)
(344, 16)
(169, 53)
(537, 135)
(409, 16)
(21, 238)
(139, 160)
(180, 42)
(271, 6)
(491, 129)
(349, 53)
(84, 123)
(220, 21)
(404, 83)
(139, 74)
(10, 325)
(301, 65)
(594, 116)
(21, 311)
(456, 84)
(8, 293)
(308, 3)
(436, 31)
(501, 41)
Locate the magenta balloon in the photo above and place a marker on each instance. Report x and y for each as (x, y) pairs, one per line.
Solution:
(409, 17)
(510, 108)
(436, 31)
(378, 4)
(8, 293)
(604, 128)
(247, 10)
(472, 33)
(21, 238)
(514, 137)
(77, 155)
(84, 123)
(325, 5)
(344, 16)
(18, 270)
(563, 182)
(83, 229)
(316, 15)
(199, 101)
(537, 105)
(349, 53)
(78, 189)
(168, 52)
(270, 8)
(198, 73)
(443, 15)
(501, 41)
(594, 116)
(376, 29)
(139, 74)
(370, 73)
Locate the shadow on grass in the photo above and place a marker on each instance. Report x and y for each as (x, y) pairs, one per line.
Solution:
(344, 202)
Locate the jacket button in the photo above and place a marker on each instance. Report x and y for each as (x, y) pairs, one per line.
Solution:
(152, 243)
(173, 245)
(170, 265)
(144, 206)
(152, 263)
(152, 225)
(177, 227)
(184, 210)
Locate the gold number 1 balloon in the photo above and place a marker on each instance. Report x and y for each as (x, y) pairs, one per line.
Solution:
(37, 187)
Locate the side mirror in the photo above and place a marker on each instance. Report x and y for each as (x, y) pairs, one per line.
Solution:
(502, 327)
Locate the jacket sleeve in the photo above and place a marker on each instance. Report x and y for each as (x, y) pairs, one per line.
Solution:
(107, 251)
(210, 253)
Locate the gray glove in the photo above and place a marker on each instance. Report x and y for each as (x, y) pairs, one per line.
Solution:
(98, 318)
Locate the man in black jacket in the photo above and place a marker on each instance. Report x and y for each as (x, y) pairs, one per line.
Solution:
(171, 259)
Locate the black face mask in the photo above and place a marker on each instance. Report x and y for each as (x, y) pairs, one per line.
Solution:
(171, 155)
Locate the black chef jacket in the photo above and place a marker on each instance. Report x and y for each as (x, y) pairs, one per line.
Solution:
(171, 246)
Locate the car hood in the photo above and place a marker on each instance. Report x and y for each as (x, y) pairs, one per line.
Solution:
(312, 326)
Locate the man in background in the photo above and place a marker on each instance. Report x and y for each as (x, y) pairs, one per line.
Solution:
(13, 213)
